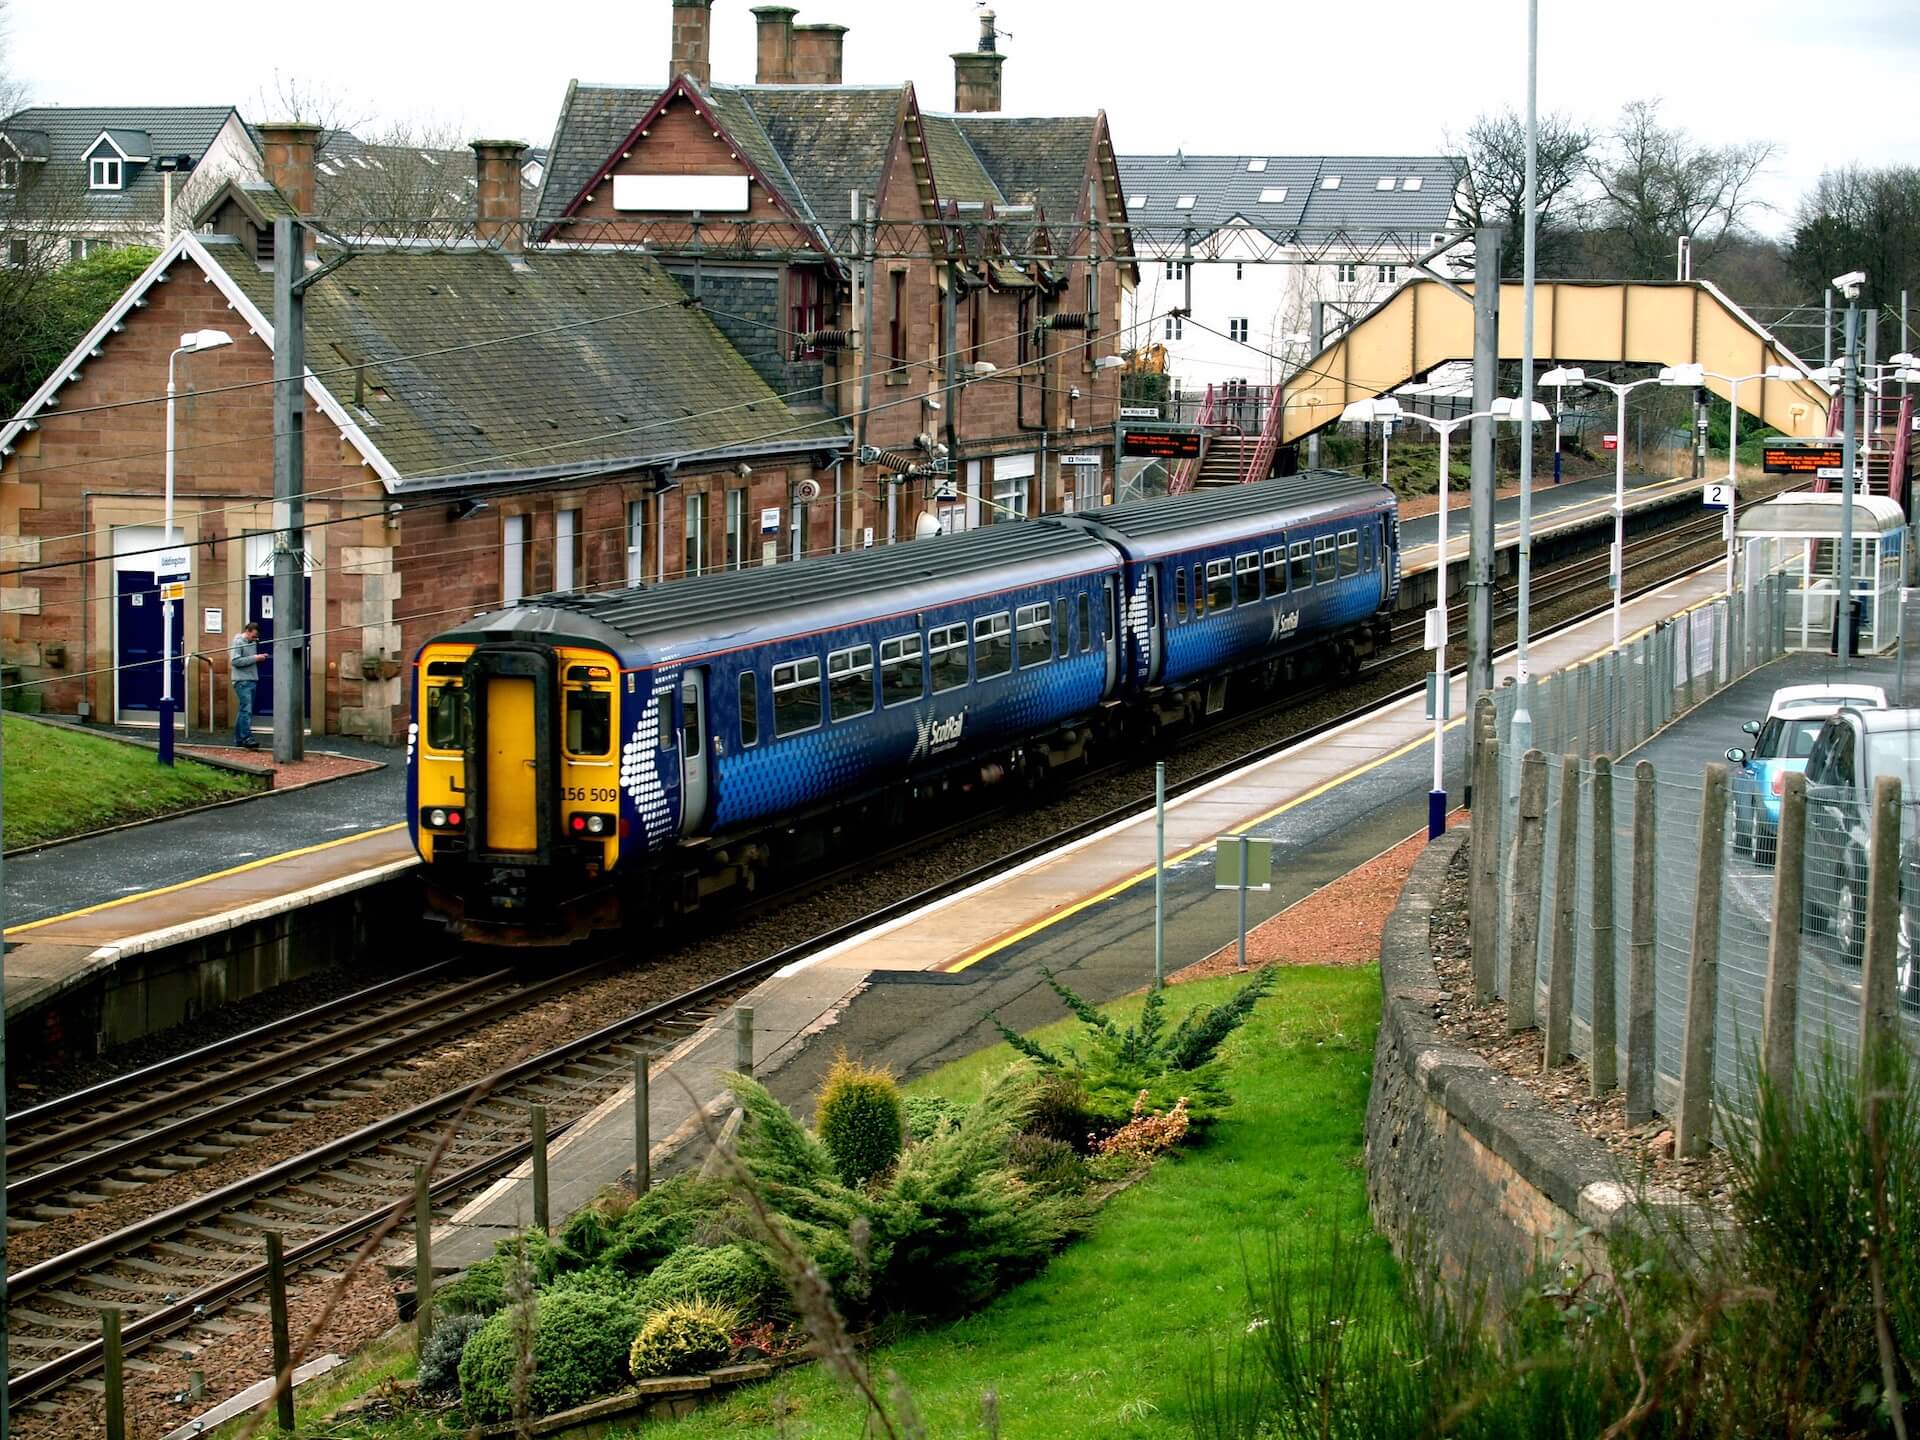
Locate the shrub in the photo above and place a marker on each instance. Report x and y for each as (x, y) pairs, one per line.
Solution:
(726, 1274)
(580, 1344)
(440, 1359)
(480, 1291)
(858, 1117)
(1051, 1166)
(926, 1114)
(1062, 1112)
(684, 1338)
(615, 1285)
(660, 1222)
(1149, 1132)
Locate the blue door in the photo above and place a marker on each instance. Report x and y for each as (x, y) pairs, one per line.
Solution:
(137, 637)
(260, 611)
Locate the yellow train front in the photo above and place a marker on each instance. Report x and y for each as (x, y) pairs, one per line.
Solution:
(514, 794)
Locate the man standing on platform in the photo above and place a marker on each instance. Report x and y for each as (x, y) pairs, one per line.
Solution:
(243, 662)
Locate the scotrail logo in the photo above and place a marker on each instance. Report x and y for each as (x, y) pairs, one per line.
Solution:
(933, 736)
(1284, 624)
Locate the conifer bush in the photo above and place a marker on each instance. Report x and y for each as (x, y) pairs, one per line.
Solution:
(580, 1346)
(860, 1120)
(732, 1275)
(686, 1337)
(659, 1223)
(926, 1114)
(440, 1358)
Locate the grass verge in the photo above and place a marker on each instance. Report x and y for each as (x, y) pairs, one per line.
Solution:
(61, 782)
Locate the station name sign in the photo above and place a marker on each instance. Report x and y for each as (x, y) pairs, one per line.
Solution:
(1800, 457)
(1162, 444)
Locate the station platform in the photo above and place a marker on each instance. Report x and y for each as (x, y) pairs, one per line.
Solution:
(917, 992)
(1569, 505)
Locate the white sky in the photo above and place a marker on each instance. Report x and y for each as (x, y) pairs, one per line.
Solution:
(1246, 76)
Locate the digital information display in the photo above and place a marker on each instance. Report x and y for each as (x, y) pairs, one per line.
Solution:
(1785, 459)
(1162, 444)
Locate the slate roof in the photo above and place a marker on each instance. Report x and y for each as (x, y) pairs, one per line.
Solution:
(623, 372)
(152, 130)
(1037, 161)
(1224, 187)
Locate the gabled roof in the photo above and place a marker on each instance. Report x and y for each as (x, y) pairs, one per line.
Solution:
(1036, 160)
(476, 368)
(65, 134)
(1226, 186)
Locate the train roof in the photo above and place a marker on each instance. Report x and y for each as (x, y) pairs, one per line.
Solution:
(1230, 511)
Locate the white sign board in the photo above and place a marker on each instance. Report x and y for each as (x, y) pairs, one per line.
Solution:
(176, 562)
(680, 192)
(214, 622)
(770, 520)
(1079, 459)
(1716, 494)
(866, 538)
(1139, 412)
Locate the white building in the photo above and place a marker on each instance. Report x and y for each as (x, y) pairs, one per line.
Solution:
(1346, 222)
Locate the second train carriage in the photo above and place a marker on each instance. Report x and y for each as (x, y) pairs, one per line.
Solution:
(579, 754)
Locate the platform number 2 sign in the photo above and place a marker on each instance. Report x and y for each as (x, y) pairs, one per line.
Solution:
(1716, 496)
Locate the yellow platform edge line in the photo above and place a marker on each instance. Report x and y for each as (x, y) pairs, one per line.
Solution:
(206, 879)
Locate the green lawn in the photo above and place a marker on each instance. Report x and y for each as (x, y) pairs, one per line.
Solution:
(62, 782)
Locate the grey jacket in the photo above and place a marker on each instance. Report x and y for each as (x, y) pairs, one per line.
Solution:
(240, 661)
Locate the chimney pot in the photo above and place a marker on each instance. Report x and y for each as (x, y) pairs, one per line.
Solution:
(497, 168)
(774, 50)
(817, 54)
(692, 22)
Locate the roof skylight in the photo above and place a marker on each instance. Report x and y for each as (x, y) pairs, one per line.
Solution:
(1185, 202)
(1134, 202)
(1273, 195)
(1257, 164)
(1412, 182)
(1331, 182)
(1385, 182)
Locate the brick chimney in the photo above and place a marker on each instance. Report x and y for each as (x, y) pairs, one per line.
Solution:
(976, 73)
(774, 57)
(692, 21)
(816, 54)
(287, 147)
(497, 168)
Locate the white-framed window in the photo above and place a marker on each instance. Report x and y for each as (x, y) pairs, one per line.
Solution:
(9, 172)
(1330, 182)
(1299, 565)
(104, 172)
(1185, 202)
(850, 683)
(76, 248)
(1349, 552)
(1176, 270)
(947, 656)
(513, 559)
(736, 529)
(796, 696)
(1387, 274)
(902, 673)
(1088, 489)
(1257, 164)
(1385, 182)
(1237, 329)
(1010, 495)
(696, 539)
(1273, 195)
(17, 253)
(1412, 182)
(1346, 274)
(992, 645)
(1034, 626)
(1176, 327)
(566, 549)
(636, 542)
(1219, 585)
(1274, 562)
(1135, 202)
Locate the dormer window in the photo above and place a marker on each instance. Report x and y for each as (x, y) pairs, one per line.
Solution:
(105, 172)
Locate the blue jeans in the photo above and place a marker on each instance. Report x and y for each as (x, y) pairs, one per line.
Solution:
(243, 711)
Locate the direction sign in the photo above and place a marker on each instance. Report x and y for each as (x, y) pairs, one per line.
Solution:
(1139, 412)
(1609, 442)
(1079, 459)
(173, 590)
(1716, 495)
(177, 561)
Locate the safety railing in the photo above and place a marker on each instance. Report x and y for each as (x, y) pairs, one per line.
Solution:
(1184, 477)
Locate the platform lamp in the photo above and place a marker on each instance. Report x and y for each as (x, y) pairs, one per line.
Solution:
(1385, 410)
(1572, 377)
(192, 343)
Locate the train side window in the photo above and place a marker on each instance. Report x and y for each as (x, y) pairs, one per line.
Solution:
(903, 677)
(1246, 578)
(1034, 624)
(1366, 547)
(589, 722)
(1219, 585)
(446, 717)
(1323, 559)
(1300, 563)
(992, 646)
(1199, 595)
(1349, 552)
(749, 709)
(693, 726)
(947, 656)
(796, 696)
(1180, 595)
(850, 682)
(663, 721)
(1276, 565)
(1086, 623)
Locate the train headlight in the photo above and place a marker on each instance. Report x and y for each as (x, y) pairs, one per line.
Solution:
(590, 826)
(437, 818)
(596, 824)
(442, 818)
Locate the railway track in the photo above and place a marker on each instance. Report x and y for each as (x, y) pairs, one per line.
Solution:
(176, 1270)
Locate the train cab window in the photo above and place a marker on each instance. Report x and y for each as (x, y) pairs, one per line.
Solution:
(850, 682)
(1300, 565)
(1275, 561)
(1323, 561)
(1034, 627)
(1349, 552)
(749, 709)
(992, 645)
(1086, 623)
(1246, 579)
(903, 678)
(446, 717)
(796, 696)
(1219, 586)
(589, 716)
(947, 656)
(1180, 596)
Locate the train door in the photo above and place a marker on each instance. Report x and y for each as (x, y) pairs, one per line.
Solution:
(695, 744)
(1113, 637)
(1156, 628)
(512, 812)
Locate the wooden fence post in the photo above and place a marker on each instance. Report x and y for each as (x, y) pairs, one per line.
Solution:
(537, 1114)
(282, 1344)
(115, 1374)
(1529, 854)
(1695, 1120)
(1640, 1055)
(1879, 1004)
(1781, 1012)
(642, 1124)
(422, 1256)
(1559, 1036)
(1603, 1068)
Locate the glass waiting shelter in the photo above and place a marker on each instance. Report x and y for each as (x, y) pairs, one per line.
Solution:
(1798, 535)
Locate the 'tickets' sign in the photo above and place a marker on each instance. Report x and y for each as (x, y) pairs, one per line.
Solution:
(1800, 457)
(1162, 444)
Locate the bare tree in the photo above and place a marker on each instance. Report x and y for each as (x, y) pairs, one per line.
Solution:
(1491, 169)
(402, 173)
(1656, 183)
(1860, 219)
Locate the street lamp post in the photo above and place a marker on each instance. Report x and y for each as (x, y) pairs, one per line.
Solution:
(1569, 375)
(1386, 410)
(190, 344)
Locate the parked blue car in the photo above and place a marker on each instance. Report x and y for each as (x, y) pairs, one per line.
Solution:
(1780, 747)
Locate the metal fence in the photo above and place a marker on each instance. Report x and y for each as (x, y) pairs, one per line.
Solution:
(1651, 923)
